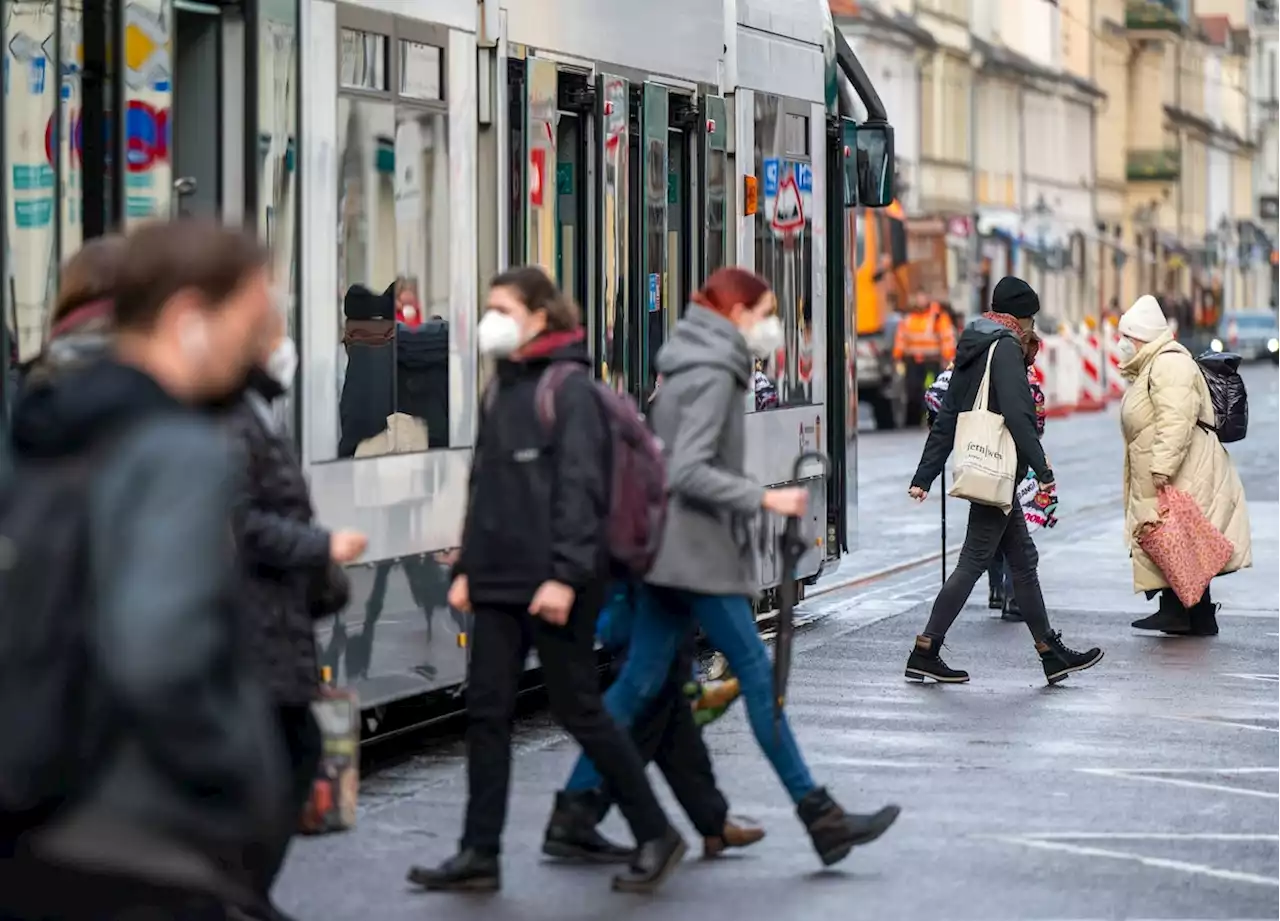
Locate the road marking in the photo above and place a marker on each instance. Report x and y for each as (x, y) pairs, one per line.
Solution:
(1159, 863)
(1204, 770)
(1175, 782)
(1149, 836)
(1213, 722)
(1248, 677)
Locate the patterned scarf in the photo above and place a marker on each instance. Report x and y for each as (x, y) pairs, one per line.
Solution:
(1029, 340)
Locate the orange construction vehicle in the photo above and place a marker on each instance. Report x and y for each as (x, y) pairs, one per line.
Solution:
(889, 274)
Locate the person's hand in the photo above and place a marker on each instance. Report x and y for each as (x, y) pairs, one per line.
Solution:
(1160, 480)
(552, 602)
(460, 595)
(789, 500)
(346, 546)
(915, 492)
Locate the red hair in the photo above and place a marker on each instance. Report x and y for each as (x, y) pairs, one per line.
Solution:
(729, 286)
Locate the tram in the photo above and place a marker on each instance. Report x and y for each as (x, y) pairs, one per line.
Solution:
(397, 153)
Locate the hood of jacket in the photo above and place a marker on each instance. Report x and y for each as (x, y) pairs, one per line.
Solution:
(544, 349)
(977, 338)
(65, 415)
(704, 337)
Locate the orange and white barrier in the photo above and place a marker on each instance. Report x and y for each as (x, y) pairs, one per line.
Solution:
(1093, 395)
(1058, 371)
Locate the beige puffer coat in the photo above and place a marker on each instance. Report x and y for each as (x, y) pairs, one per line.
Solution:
(1166, 398)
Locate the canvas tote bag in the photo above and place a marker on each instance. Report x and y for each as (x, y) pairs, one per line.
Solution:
(985, 456)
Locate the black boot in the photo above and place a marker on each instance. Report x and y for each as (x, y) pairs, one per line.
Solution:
(572, 835)
(1171, 617)
(925, 662)
(1012, 613)
(1204, 619)
(835, 832)
(469, 870)
(651, 863)
(1060, 661)
(996, 595)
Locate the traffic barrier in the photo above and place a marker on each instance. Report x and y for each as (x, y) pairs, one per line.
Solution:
(1093, 396)
(1057, 368)
(1116, 385)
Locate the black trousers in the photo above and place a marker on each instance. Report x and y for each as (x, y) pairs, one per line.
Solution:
(304, 746)
(917, 373)
(992, 532)
(500, 641)
(667, 735)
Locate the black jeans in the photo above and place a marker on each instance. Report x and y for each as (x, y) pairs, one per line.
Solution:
(500, 641)
(304, 746)
(992, 531)
(667, 735)
(998, 574)
(36, 891)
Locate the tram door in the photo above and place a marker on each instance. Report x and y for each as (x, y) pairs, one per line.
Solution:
(842, 396)
(208, 105)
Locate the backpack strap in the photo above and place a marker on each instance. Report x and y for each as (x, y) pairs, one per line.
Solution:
(544, 398)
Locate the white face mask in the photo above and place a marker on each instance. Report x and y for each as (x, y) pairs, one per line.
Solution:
(1126, 349)
(283, 363)
(498, 335)
(766, 337)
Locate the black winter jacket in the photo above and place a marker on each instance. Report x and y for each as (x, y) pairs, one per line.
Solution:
(195, 777)
(282, 551)
(1010, 397)
(538, 499)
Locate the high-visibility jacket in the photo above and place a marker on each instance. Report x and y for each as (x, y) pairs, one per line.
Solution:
(925, 335)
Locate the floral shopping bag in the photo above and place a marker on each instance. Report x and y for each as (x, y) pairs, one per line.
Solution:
(1184, 545)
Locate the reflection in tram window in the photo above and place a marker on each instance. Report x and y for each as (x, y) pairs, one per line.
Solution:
(363, 61)
(71, 232)
(148, 90)
(278, 157)
(396, 369)
(784, 249)
(30, 97)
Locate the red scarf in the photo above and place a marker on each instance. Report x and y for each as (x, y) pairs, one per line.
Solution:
(1029, 340)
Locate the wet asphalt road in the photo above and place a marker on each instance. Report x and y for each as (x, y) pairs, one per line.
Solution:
(1144, 789)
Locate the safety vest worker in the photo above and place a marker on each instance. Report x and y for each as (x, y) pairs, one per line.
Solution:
(925, 335)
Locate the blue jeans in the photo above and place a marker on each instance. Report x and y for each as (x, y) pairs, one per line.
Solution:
(617, 621)
(659, 626)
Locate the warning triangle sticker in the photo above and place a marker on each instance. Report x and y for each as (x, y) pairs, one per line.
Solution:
(788, 208)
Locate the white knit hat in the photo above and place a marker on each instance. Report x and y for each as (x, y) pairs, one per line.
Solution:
(1144, 321)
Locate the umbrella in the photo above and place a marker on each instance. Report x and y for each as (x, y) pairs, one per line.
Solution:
(791, 546)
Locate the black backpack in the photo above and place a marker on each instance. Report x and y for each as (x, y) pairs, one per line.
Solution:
(1221, 372)
(50, 723)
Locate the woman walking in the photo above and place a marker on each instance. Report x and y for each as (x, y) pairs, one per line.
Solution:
(705, 571)
(290, 565)
(1167, 420)
(534, 568)
(1000, 342)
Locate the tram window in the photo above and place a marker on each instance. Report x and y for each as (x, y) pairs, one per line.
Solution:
(396, 365)
(148, 92)
(784, 251)
(364, 61)
(278, 131)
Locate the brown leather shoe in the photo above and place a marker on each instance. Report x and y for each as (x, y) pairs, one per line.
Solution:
(738, 833)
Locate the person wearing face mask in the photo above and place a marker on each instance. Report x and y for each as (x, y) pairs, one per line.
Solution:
(534, 566)
(1009, 328)
(1167, 421)
(705, 571)
(186, 781)
(290, 566)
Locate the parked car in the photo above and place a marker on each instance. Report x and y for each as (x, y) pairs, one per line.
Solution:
(1251, 334)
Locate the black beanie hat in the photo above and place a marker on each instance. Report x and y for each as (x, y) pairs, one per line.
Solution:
(1015, 297)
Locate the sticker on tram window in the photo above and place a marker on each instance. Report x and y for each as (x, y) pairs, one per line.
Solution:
(655, 292)
(564, 178)
(31, 215)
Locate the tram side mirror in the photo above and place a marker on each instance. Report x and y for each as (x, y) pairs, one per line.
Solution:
(873, 164)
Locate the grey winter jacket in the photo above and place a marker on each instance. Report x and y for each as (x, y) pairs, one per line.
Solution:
(699, 414)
